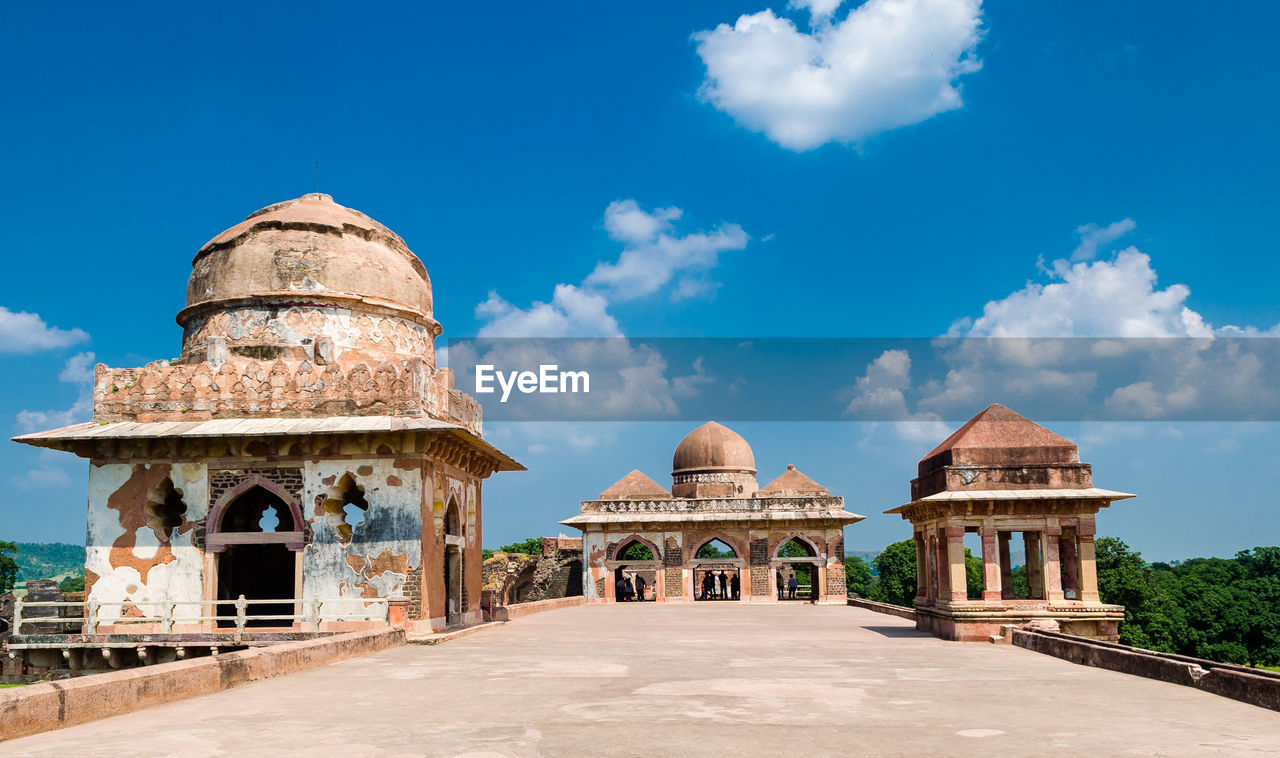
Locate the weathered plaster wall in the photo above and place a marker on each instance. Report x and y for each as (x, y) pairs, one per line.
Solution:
(384, 548)
(300, 331)
(125, 558)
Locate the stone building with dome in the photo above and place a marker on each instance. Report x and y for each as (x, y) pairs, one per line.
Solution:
(302, 447)
(715, 519)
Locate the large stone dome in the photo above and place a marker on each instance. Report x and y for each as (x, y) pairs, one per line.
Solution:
(311, 249)
(713, 447)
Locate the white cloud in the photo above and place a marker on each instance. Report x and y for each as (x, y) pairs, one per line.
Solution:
(1115, 298)
(571, 312)
(1093, 236)
(653, 254)
(887, 64)
(24, 332)
(79, 371)
(881, 393)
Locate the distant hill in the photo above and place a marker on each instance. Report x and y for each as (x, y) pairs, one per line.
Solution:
(48, 560)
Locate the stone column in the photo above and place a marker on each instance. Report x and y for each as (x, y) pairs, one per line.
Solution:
(955, 564)
(1052, 563)
(1034, 565)
(1088, 562)
(941, 576)
(922, 568)
(991, 575)
(1006, 567)
(1070, 566)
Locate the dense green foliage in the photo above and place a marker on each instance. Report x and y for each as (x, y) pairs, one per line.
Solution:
(1223, 609)
(895, 574)
(857, 575)
(72, 583)
(8, 566)
(530, 546)
(637, 551)
(48, 560)
(710, 550)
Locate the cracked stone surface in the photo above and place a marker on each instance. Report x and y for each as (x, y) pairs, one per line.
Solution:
(648, 680)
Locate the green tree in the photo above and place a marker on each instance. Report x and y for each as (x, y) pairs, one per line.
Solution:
(637, 551)
(857, 575)
(531, 546)
(895, 574)
(974, 578)
(8, 566)
(72, 584)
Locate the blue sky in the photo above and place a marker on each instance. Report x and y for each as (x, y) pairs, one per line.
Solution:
(495, 143)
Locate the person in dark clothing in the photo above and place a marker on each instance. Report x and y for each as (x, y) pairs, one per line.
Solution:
(792, 585)
(724, 586)
(630, 590)
(734, 586)
(620, 591)
(639, 588)
(782, 585)
(702, 595)
(711, 584)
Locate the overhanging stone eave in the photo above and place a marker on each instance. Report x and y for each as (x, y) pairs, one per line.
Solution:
(954, 496)
(64, 437)
(844, 518)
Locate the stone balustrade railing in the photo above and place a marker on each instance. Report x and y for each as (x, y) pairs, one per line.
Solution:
(714, 505)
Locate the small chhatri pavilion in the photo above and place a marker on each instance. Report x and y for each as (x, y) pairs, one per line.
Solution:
(1018, 485)
(715, 519)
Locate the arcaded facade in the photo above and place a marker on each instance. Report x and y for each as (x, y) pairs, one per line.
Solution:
(302, 446)
(714, 521)
(1022, 489)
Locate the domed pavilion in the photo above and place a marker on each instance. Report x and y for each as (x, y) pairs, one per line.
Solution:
(1024, 492)
(716, 522)
(303, 448)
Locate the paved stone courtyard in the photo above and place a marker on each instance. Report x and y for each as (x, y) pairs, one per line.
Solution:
(646, 680)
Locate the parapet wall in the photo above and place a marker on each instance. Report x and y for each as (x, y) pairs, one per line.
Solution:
(512, 612)
(892, 610)
(52, 705)
(239, 388)
(1255, 686)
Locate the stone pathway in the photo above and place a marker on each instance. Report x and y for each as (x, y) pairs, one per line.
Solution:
(713, 679)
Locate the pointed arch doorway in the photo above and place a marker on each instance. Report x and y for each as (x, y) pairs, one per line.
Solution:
(255, 535)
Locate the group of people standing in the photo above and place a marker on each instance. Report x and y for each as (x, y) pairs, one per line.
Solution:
(787, 589)
(720, 586)
(627, 591)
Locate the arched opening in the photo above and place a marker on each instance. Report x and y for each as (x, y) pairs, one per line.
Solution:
(454, 544)
(796, 574)
(165, 509)
(573, 583)
(260, 570)
(345, 507)
(635, 573)
(717, 571)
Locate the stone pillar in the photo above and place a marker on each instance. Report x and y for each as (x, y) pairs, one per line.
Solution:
(1070, 565)
(955, 564)
(922, 568)
(941, 576)
(1006, 566)
(991, 574)
(1052, 563)
(1088, 562)
(1034, 565)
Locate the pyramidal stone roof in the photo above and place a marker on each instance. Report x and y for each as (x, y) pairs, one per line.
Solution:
(635, 486)
(792, 482)
(1000, 437)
